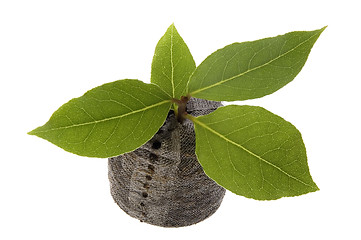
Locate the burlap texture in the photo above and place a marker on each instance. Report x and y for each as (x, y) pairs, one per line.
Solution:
(162, 182)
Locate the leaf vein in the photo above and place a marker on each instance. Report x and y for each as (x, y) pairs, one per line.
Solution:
(107, 119)
(248, 151)
(253, 69)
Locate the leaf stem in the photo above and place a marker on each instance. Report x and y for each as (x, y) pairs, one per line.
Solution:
(181, 111)
(175, 107)
(190, 117)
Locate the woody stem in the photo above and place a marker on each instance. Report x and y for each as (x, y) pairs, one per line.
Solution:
(182, 107)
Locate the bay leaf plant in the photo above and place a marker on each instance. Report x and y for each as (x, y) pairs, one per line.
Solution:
(246, 149)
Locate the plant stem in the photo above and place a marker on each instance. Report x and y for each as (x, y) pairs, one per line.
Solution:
(181, 112)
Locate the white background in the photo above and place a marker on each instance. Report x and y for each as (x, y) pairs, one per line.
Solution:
(52, 51)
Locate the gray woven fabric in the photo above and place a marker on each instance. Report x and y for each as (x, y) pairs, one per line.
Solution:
(162, 182)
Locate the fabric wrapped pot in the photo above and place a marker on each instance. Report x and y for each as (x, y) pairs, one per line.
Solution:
(162, 182)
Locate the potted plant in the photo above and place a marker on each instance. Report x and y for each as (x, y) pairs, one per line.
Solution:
(173, 148)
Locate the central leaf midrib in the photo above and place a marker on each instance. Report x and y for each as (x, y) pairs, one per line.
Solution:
(251, 70)
(196, 120)
(106, 119)
(171, 62)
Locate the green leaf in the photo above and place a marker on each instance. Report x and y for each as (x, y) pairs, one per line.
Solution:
(250, 70)
(108, 120)
(172, 64)
(253, 153)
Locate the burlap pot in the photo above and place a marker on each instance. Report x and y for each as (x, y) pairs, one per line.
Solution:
(161, 182)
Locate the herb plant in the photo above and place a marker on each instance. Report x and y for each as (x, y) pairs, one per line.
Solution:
(246, 149)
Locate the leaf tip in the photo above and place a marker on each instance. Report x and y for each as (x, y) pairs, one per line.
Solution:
(172, 26)
(32, 132)
(313, 188)
(322, 29)
(36, 131)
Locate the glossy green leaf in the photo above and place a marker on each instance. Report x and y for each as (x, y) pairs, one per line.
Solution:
(108, 120)
(250, 70)
(172, 64)
(252, 152)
